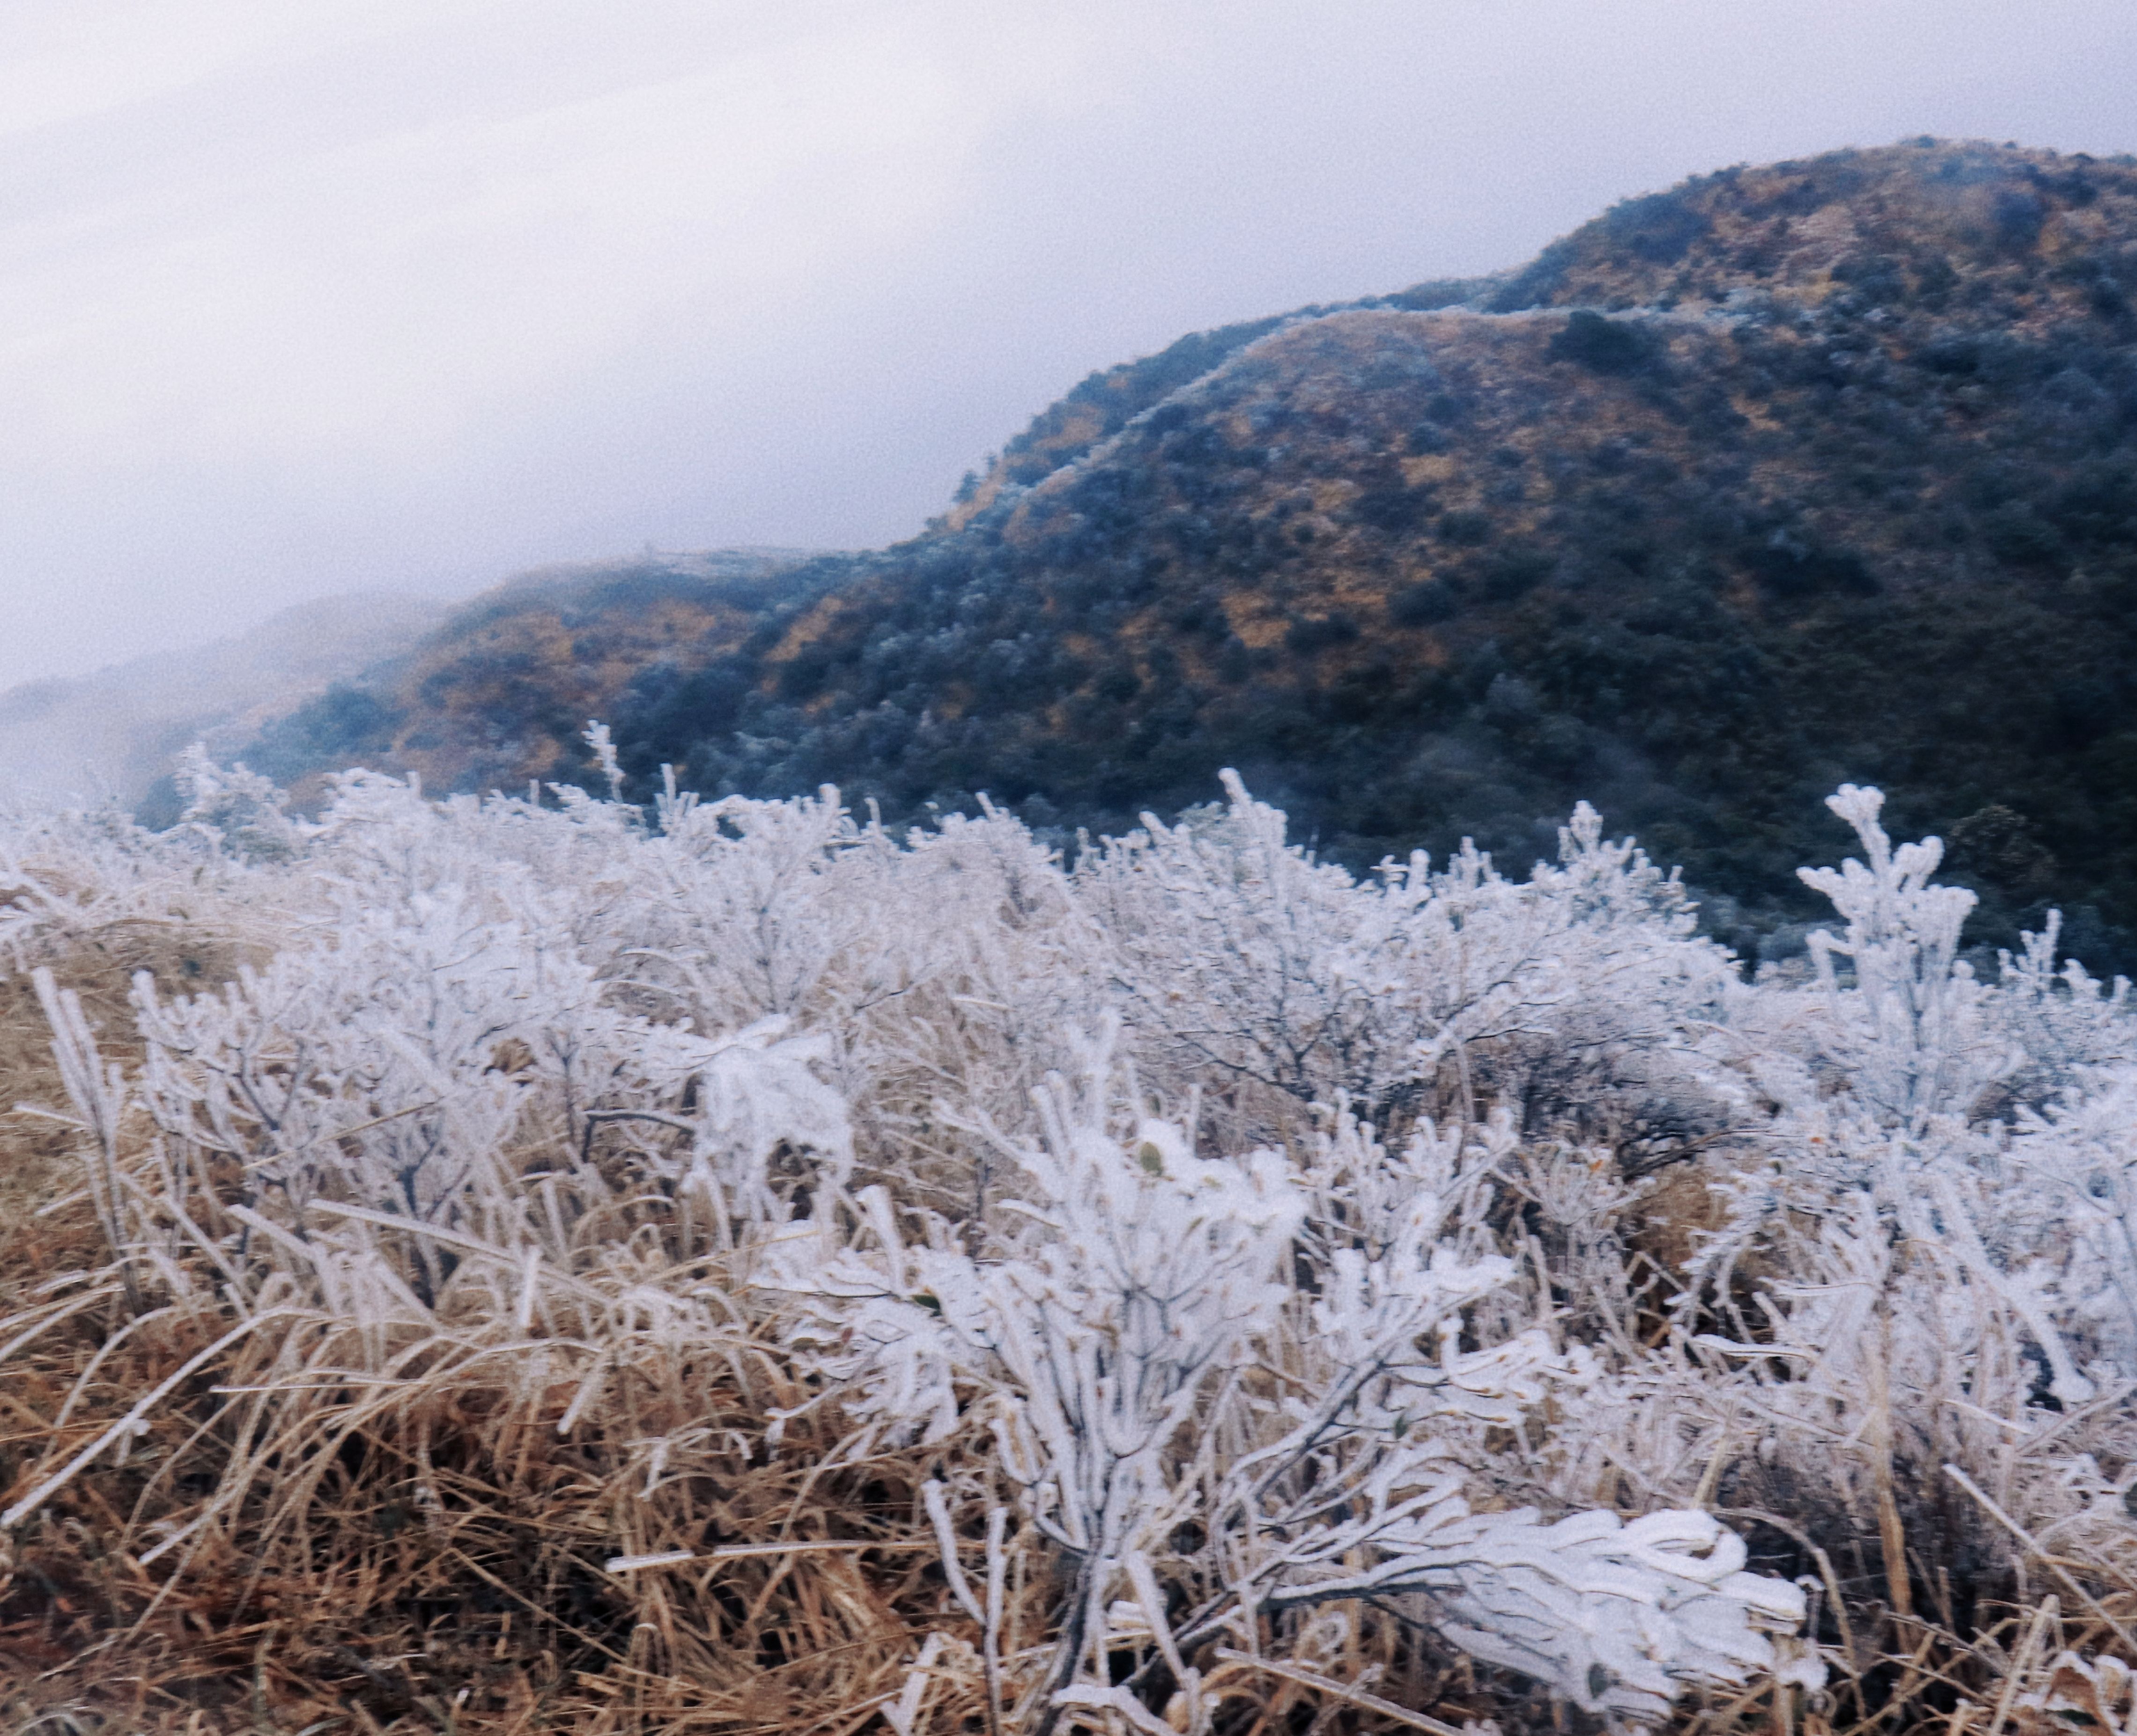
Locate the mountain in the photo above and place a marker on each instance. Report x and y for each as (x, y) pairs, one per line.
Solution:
(115, 731)
(1820, 471)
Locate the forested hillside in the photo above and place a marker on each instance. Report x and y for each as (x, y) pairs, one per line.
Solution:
(1792, 475)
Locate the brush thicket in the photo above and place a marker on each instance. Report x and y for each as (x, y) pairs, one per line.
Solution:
(414, 1307)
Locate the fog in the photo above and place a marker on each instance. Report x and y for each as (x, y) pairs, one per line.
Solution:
(361, 293)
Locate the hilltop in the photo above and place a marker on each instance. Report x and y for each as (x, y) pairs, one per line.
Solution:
(1816, 471)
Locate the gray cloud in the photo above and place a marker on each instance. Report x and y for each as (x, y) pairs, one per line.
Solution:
(301, 301)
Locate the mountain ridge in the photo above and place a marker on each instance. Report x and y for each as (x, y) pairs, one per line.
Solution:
(1790, 475)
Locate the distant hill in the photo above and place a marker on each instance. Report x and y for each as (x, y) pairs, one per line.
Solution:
(116, 731)
(500, 690)
(1821, 470)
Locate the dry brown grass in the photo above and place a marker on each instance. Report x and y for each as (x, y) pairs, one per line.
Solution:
(427, 1552)
(430, 1552)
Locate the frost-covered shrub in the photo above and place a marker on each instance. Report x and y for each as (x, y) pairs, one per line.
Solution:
(1239, 1247)
(1117, 1337)
(1569, 997)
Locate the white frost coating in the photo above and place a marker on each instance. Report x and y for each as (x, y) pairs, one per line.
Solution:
(1131, 1305)
(1911, 1033)
(568, 1086)
(1619, 1618)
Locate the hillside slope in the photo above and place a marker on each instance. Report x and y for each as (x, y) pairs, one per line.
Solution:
(1790, 475)
(500, 690)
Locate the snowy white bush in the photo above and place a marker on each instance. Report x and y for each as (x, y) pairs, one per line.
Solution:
(1248, 1239)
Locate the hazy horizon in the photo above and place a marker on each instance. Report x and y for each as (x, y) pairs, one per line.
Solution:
(389, 296)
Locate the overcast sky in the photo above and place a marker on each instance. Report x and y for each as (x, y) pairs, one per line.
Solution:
(308, 296)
